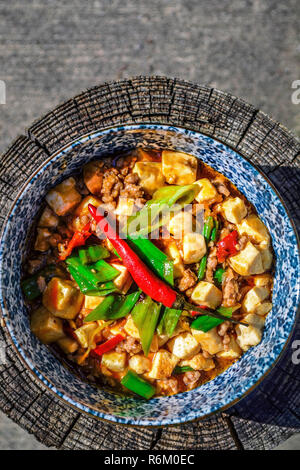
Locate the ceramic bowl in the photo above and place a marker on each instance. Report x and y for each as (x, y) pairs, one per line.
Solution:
(225, 389)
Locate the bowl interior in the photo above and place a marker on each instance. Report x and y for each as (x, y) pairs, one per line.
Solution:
(224, 389)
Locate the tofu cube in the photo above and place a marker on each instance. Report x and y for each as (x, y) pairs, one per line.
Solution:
(248, 261)
(125, 207)
(150, 174)
(46, 326)
(208, 193)
(267, 259)
(62, 298)
(173, 253)
(68, 345)
(251, 335)
(93, 176)
(124, 280)
(199, 362)
(42, 239)
(83, 208)
(90, 302)
(178, 167)
(255, 229)
(114, 361)
(85, 334)
(263, 308)
(183, 346)
(48, 219)
(262, 280)
(64, 197)
(234, 210)
(180, 224)
(253, 299)
(163, 364)
(130, 328)
(206, 293)
(194, 247)
(209, 341)
(233, 351)
(139, 364)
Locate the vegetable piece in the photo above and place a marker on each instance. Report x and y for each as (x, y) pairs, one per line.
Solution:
(218, 276)
(227, 246)
(46, 326)
(107, 346)
(62, 298)
(202, 268)
(105, 272)
(79, 238)
(114, 307)
(208, 226)
(138, 385)
(168, 321)
(145, 279)
(214, 232)
(92, 254)
(145, 316)
(31, 287)
(93, 279)
(206, 323)
(182, 369)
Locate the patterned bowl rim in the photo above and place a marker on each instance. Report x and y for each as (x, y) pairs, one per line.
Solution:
(40, 377)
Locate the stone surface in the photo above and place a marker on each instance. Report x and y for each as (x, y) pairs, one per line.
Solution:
(47, 54)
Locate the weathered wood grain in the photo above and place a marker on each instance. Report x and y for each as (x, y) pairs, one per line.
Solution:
(271, 412)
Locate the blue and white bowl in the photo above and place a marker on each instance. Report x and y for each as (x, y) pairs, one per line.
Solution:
(225, 389)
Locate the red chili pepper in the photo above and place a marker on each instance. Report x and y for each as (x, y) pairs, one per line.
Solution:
(194, 313)
(107, 346)
(227, 246)
(79, 238)
(146, 280)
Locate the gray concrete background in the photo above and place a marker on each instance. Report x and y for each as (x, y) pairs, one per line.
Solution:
(50, 51)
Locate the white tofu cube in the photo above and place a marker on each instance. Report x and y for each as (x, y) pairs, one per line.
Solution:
(233, 351)
(68, 345)
(263, 308)
(253, 299)
(255, 229)
(124, 280)
(234, 210)
(150, 174)
(206, 293)
(163, 364)
(83, 209)
(208, 193)
(199, 362)
(46, 326)
(209, 341)
(42, 239)
(180, 224)
(262, 280)
(85, 333)
(248, 261)
(179, 168)
(139, 364)
(64, 197)
(174, 254)
(248, 336)
(48, 219)
(125, 207)
(194, 247)
(183, 345)
(90, 301)
(130, 328)
(267, 259)
(114, 361)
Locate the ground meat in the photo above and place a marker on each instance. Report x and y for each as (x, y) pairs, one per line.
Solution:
(41, 283)
(167, 386)
(35, 264)
(111, 185)
(224, 232)
(206, 354)
(222, 329)
(212, 262)
(190, 379)
(187, 281)
(129, 345)
(221, 187)
(230, 288)
(242, 242)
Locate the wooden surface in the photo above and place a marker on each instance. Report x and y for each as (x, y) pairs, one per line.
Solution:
(270, 413)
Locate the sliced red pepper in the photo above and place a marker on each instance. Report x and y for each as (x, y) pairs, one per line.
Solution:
(107, 346)
(79, 238)
(227, 246)
(194, 313)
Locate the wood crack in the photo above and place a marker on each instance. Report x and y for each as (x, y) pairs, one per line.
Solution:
(233, 432)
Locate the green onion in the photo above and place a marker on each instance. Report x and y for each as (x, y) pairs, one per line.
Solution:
(92, 253)
(202, 268)
(83, 271)
(206, 323)
(218, 276)
(114, 307)
(101, 309)
(145, 316)
(208, 226)
(168, 321)
(138, 385)
(182, 369)
(105, 272)
(214, 232)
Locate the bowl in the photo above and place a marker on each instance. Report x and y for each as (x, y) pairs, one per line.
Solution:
(226, 388)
